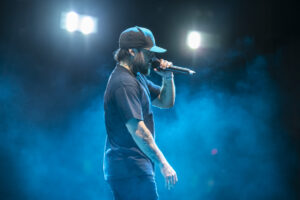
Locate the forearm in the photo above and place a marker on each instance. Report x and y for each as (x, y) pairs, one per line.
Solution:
(145, 141)
(167, 94)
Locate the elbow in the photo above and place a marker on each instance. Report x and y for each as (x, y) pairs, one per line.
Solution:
(164, 104)
(169, 105)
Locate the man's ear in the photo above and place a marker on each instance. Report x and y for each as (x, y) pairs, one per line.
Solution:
(132, 51)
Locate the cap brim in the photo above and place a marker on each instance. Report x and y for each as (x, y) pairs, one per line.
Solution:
(157, 49)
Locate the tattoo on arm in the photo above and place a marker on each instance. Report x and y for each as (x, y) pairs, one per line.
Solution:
(145, 141)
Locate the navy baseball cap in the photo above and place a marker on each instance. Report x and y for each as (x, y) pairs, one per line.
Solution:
(139, 37)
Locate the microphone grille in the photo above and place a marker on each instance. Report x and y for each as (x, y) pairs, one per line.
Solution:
(155, 63)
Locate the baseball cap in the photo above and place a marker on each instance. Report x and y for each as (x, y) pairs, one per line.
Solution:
(139, 37)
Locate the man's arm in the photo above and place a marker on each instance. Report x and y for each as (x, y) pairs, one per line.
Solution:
(166, 98)
(144, 140)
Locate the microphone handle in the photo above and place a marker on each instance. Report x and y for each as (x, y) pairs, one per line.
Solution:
(183, 70)
(155, 64)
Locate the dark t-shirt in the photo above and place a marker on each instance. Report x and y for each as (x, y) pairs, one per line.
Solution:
(126, 97)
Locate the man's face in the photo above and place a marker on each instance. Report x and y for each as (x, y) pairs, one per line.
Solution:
(141, 61)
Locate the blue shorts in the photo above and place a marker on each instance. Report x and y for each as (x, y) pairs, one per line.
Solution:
(134, 188)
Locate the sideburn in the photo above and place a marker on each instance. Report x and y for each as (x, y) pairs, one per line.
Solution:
(137, 64)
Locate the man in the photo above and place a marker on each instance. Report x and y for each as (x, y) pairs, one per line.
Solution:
(130, 150)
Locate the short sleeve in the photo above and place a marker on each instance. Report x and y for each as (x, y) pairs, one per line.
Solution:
(128, 103)
(153, 89)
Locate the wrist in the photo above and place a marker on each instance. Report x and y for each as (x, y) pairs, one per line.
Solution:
(169, 76)
(163, 164)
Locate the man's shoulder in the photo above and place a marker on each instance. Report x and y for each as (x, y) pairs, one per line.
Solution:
(120, 78)
(124, 80)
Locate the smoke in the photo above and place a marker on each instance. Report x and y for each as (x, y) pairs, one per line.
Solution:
(225, 139)
(223, 136)
(52, 130)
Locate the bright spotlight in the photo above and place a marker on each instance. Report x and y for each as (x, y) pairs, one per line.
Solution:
(194, 40)
(72, 21)
(87, 25)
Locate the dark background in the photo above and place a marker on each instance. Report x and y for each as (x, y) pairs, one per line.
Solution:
(232, 134)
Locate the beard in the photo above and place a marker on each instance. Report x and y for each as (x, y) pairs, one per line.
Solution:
(138, 64)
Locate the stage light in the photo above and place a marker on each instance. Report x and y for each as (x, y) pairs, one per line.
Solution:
(72, 21)
(194, 40)
(87, 25)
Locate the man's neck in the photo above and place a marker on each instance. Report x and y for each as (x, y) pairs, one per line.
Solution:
(125, 65)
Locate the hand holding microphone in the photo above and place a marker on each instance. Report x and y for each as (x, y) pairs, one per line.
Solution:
(162, 65)
(167, 66)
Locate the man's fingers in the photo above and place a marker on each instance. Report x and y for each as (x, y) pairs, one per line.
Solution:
(168, 182)
(174, 179)
(165, 64)
(171, 181)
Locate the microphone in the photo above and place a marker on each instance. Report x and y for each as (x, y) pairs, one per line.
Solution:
(155, 63)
